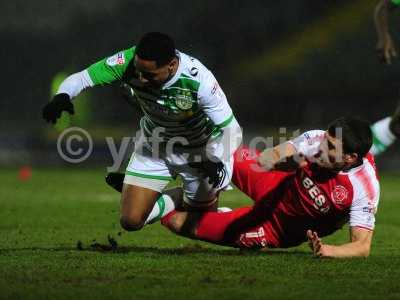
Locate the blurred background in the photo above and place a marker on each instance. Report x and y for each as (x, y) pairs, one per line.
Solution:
(290, 63)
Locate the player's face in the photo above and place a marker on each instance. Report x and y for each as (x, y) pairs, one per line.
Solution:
(331, 154)
(150, 74)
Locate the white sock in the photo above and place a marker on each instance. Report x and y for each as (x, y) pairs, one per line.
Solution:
(382, 136)
(163, 206)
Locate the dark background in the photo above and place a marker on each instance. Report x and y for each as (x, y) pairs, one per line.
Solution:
(294, 63)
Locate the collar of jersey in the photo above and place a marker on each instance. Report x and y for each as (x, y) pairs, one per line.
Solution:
(178, 72)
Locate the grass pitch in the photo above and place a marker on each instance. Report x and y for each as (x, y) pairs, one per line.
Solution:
(48, 224)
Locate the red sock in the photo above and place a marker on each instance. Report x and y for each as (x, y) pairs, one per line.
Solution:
(167, 217)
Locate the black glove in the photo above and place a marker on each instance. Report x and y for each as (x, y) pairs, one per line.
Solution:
(52, 110)
(213, 169)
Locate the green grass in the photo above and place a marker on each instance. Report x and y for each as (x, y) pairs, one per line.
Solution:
(42, 219)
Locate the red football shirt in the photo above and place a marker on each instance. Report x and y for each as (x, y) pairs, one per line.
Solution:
(318, 199)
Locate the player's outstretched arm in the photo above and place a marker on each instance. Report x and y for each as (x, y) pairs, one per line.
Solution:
(385, 47)
(293, 154)
(103, 72)
(282, 157)
(69, 88)
(359, 246)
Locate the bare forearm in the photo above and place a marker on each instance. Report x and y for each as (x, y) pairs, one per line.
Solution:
(269, 158)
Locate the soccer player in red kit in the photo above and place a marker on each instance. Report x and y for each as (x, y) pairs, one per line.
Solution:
(306, 188)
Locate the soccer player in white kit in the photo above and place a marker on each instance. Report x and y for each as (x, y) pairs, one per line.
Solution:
(187, 123)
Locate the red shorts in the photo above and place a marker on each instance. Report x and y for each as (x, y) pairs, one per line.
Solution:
(246, 226)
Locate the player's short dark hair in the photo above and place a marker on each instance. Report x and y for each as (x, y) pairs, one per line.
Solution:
(156, 46)
(356, 135)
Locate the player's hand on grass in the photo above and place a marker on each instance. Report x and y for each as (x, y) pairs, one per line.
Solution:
(52, 110)
(316, 245)
(386, 50)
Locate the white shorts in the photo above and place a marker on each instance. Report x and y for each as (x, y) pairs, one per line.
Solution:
(153, 170)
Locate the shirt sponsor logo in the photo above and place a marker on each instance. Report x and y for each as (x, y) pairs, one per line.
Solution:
(316, 195)
(339, 194)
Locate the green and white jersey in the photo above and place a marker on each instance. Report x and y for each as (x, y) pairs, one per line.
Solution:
(396, 2)
(190, 105)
